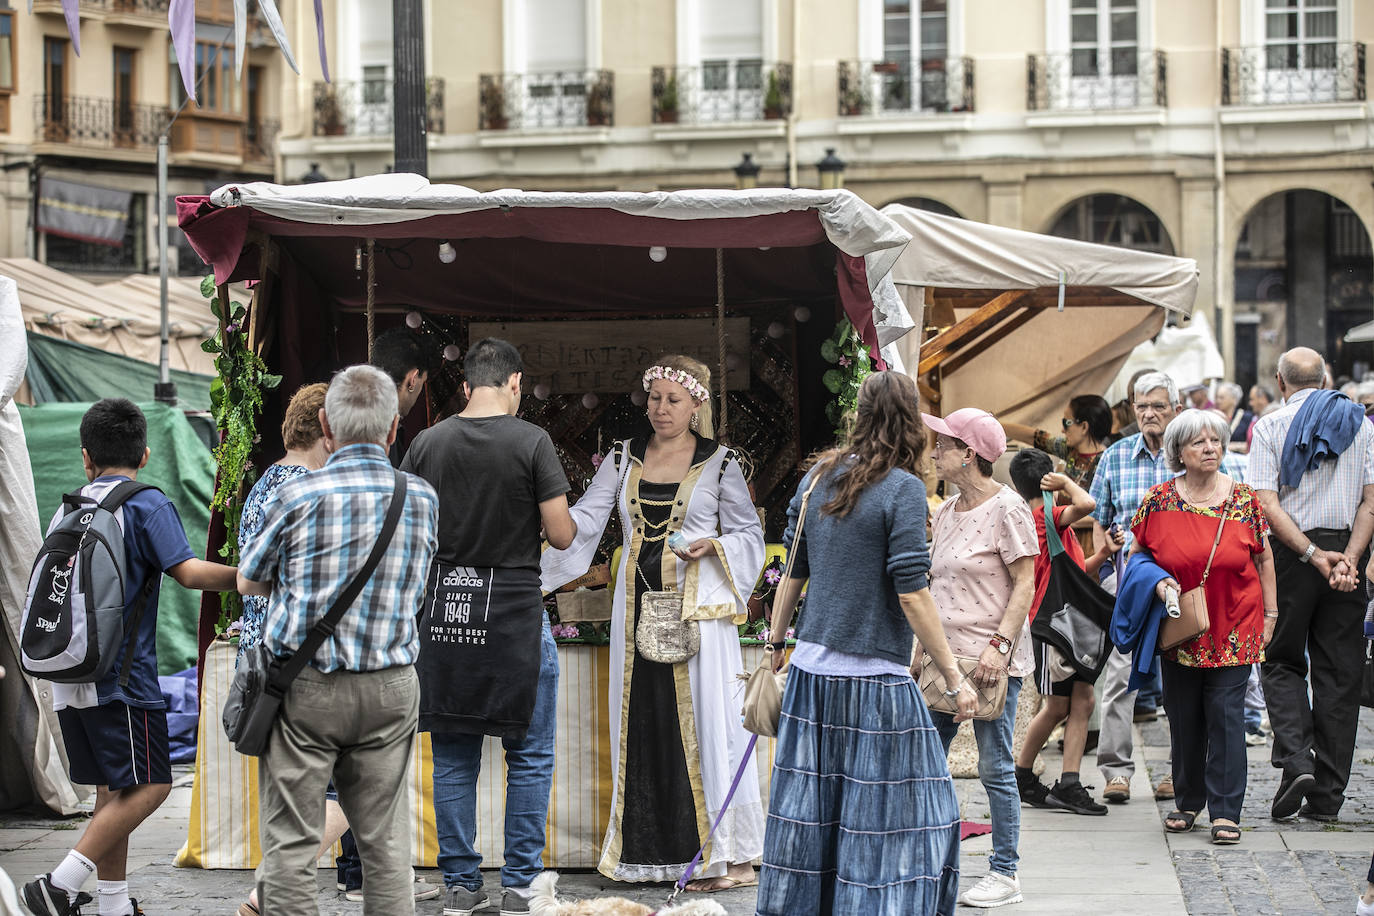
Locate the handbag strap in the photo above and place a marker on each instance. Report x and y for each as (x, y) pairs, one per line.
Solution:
(287, 669)
(1208, 570)
(1051, 533)
(801, 519)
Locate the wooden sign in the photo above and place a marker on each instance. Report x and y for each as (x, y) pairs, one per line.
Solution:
(573, 357)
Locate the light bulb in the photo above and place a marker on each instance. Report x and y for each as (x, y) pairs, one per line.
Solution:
(541, 391)
(776, 330)
(413, 320)
(590, 400)
(658, 254)
(639, 398)
(802, 314)
(451, 353)
(446, 253)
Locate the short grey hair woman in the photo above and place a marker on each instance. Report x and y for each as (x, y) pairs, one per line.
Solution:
(1186, 427)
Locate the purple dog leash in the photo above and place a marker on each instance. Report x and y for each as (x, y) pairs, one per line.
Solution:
(696, 860)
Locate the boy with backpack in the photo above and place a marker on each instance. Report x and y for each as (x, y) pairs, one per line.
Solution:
(114, 720)
(1069, 698)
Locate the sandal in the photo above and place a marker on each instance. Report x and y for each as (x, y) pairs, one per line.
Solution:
(723, 883)
(1225, 834)
(1187, 818)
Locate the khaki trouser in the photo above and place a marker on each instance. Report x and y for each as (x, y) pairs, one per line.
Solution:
(356, 727)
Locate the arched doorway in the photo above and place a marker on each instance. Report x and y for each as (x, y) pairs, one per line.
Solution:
(1113, 219)
(1303, 271)
(928, 203)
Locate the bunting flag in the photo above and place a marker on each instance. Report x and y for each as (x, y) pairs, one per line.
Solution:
(71, 10)
(240, 35)
(181, 18)
(269, 13)
(319, 33)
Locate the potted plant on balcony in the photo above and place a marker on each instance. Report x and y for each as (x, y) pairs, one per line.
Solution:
(329, 116)
(598, 114)
(852, 101)
(668, 102)
(494, 106)
(772, 99)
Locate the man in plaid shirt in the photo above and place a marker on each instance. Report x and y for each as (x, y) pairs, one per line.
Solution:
(1125, 473)
(352, 712)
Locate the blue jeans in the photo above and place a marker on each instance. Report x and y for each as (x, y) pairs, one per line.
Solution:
(529, 781)
(1151, 694)
(996, 770)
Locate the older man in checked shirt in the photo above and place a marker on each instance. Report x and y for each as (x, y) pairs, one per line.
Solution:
(1125, 473)
(1321, 530)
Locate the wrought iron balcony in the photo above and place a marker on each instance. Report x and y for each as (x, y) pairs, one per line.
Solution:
(565, 98)
(905, 87)
(364, 108)
(84, 121)
(1293, 73)
(260, 139)
(721, 92)
(1086, 80)
(133, 7)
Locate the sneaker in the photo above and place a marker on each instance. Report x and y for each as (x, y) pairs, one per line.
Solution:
(993, 890)
(1034, 792)
(512, 904)
(423, 891)
(1255, 739)
(1362, 908)
(43, 898)
(1075, 798)
(1118, 790)
(462, 902)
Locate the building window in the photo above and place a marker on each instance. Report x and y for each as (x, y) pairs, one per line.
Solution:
(915, 51)
(124, 82)
(1300, 34)
(1104, 37)
(6, 51)
(218, 90)
(54, 67)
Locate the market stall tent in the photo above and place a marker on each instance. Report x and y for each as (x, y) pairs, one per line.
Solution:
(1025, 321)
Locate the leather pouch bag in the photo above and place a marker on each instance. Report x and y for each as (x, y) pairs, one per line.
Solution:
(1192, 620)
(991, 700)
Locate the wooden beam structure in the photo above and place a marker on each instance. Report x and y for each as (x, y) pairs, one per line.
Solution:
(940, 347)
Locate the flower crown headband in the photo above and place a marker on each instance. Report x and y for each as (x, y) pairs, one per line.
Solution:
(696, 389)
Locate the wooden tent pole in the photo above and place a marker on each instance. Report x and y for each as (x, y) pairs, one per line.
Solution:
(371, 297)
(720, 342)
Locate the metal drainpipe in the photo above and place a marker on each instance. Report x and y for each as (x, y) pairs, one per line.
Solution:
(796, 102)
(1223, 313)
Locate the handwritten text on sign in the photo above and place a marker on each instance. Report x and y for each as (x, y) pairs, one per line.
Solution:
(611, 356)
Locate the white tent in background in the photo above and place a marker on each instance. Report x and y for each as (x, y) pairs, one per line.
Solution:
(1361, 333)
(1188, 355)
(1006, 345)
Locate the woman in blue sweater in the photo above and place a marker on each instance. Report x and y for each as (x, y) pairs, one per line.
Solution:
(863, 817)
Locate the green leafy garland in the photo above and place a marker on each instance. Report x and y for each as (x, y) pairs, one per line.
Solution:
(236, 401)
(847, 352)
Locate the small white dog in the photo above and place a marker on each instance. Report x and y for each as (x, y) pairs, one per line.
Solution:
(545, 902)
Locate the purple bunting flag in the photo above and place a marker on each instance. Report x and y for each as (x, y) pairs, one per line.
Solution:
(181, 17)
(319, 32)
(71, 10)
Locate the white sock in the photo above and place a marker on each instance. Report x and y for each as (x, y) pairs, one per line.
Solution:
(113, 897)
(73, 873)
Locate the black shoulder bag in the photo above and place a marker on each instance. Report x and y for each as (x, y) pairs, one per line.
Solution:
(262, 680)
(1076, 612)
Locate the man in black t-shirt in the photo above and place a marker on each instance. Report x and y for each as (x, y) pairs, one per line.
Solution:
(488, 665)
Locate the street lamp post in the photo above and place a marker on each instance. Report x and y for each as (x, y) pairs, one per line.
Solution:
(831, 169)
(409, 109)
(747, 173)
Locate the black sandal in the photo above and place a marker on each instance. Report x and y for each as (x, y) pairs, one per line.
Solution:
(1187, 817)
(1225, 834)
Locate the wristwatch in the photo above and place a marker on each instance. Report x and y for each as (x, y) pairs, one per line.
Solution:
(1307, 555)
(1000, 643)
(776, 646)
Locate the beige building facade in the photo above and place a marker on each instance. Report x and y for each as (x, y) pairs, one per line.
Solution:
(79, 133)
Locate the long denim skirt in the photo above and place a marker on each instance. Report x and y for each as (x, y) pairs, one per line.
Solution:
(862, 817)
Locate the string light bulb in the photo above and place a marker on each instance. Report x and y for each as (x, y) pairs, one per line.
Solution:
(451, 353)
(658, 254)
(413, 320)
(447, 253)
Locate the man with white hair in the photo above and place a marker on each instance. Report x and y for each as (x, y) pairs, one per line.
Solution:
(1312, 466)
(1125, 473)
(351, 713)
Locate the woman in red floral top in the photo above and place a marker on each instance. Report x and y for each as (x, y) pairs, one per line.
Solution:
(1204, 678)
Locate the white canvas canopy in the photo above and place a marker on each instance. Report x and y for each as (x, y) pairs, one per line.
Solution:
(1010, 347)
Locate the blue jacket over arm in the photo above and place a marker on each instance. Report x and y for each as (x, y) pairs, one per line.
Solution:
(1138, 615)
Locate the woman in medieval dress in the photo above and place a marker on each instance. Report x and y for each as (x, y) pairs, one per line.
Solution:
(676, 736)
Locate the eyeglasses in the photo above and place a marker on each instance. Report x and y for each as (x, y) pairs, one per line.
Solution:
(1069, 421)
(1153, 407)
(942, 445)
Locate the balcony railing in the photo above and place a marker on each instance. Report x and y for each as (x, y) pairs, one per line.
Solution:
(721, 92)
(1094, 81)
(260, 139)
(566, 98)
(364, 108)
(1293, 73)
(84, 121)
(905, 87)
(135, 7)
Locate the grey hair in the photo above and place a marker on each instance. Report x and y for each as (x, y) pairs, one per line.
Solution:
(1150, 381)
(1185, 427)
(360, 405)
(1231, 388)
(1298, 375)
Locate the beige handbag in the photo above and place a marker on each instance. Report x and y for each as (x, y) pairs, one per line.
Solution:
(1192, 620)
(763, 689)
(991, 700)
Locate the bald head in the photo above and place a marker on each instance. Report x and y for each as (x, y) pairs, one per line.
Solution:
(1301, 367)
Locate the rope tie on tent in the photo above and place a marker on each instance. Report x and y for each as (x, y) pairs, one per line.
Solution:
(720, 340)
(371, 292)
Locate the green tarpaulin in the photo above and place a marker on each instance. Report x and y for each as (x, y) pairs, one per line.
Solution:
(62, 370)
(179, 465)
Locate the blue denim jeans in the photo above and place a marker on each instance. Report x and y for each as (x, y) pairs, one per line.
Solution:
(529, 780)
(997, 772)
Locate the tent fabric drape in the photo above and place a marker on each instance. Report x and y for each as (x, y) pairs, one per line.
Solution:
(62, 370)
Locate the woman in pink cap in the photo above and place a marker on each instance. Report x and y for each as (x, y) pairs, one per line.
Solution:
(982, 577)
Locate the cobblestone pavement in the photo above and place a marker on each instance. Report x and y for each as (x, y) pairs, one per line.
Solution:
(1295, 866)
